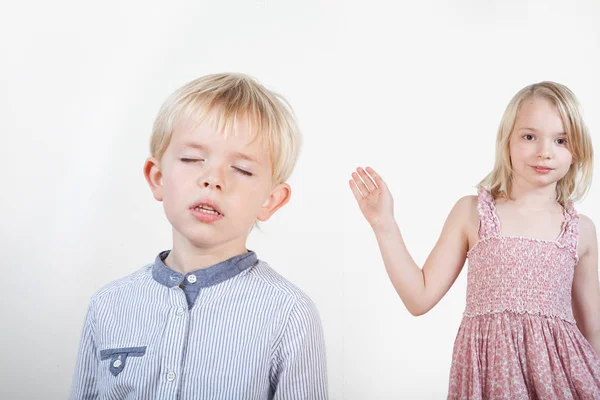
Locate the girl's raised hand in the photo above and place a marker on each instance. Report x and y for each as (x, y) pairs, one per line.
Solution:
(373, 197)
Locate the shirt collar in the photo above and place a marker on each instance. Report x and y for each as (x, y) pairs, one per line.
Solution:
(204, 277)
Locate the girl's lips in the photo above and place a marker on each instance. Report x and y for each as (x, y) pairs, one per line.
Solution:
(542, 170)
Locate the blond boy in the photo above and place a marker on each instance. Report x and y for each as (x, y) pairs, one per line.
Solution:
(207, 319)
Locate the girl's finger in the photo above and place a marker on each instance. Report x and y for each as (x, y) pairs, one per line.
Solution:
(357, 194)
(360, 184)
(376, 177)
(367, 179)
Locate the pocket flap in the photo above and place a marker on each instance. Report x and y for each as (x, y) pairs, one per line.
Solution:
(118, 357)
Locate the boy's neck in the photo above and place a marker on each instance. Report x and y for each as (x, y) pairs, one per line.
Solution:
(185, 259)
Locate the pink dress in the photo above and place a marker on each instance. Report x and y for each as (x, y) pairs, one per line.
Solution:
(518, 338)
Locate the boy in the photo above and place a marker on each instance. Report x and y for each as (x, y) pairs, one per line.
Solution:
(208, 320)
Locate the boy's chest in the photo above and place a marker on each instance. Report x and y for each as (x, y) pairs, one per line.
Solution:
(181, 353)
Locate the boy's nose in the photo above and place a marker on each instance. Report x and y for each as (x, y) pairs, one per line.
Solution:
(211, 183)
(212, 178)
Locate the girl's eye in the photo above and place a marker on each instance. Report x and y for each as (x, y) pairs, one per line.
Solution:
(528, 137)
(561, 141)
(242, 171)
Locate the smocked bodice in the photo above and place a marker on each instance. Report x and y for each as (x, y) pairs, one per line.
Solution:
(519, 274)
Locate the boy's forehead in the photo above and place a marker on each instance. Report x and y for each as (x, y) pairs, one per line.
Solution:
(193, 132)
(189, 128)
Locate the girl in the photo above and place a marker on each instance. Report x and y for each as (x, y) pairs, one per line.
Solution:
(531, 328)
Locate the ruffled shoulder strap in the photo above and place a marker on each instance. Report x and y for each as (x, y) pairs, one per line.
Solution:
(489, 225)
(570, 233)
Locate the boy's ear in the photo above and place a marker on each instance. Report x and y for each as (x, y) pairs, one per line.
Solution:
(279, 196)
(154, 177)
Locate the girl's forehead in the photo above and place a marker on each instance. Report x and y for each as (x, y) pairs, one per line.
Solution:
(539, 114)
(538, 105)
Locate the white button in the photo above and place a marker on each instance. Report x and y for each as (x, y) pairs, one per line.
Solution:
(117, 363)
(192, 278)
(180, 311)
(171, 376)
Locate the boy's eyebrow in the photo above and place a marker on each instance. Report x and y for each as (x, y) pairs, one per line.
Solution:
(194, 145)
(235, 154)
(246, 157)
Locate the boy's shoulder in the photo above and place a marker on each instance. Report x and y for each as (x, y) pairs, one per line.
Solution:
(269, 279)
(137, 278)
(294, 302)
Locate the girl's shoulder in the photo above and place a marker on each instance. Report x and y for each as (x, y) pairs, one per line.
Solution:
(472, 206)
(467, 204)
(466, 212)
(586, 223)
(587, 234)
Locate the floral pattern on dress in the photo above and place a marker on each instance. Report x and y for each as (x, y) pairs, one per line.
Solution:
(518, 338)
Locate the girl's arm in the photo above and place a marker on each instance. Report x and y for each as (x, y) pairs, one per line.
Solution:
(420, 290)
(586, 289)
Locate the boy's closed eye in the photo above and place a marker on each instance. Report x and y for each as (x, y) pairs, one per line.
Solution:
(237, 169)
(243, 171)
(190, 160)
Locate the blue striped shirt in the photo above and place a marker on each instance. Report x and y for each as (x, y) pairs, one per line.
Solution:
(236, 330)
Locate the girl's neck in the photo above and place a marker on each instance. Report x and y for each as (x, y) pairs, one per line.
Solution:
(530, 197)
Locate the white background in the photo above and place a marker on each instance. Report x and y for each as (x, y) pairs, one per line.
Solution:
(415, 89)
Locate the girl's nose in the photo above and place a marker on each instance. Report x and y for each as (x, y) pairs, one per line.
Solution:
(545, 151)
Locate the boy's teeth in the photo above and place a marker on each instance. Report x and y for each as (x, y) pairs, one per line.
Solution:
(206, 209)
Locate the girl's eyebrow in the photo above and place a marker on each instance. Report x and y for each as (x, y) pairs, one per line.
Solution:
(526, 128)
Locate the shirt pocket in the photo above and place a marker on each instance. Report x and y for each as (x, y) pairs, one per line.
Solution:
(118, 357)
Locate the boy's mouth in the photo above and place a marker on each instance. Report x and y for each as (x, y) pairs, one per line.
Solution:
(207, 208)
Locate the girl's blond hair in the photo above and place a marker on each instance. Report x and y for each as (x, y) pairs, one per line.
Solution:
(575, 184)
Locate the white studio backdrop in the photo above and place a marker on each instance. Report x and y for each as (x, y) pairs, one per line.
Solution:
(414, 89)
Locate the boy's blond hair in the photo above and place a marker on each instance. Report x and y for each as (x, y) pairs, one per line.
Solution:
(234, 98)
(575, 184)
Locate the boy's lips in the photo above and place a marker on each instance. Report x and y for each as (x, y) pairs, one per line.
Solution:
(205, 210)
